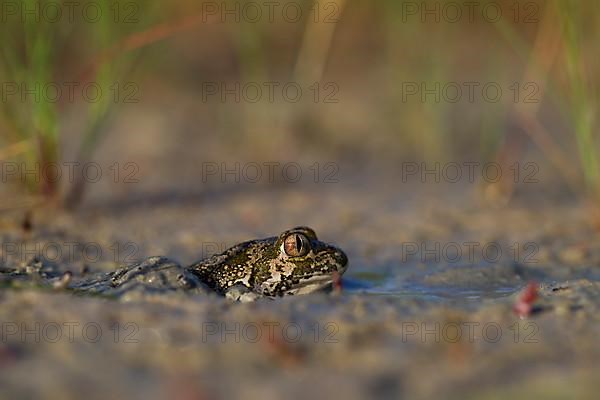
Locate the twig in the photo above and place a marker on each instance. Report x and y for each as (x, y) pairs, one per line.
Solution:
(15, 149)
(28, 202)
(144, 38)
(316, 45)
(543, 56)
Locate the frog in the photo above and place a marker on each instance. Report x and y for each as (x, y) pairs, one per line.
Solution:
(295, 262)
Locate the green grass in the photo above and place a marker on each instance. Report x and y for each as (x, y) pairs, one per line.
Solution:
(579, 96)
(27, 59)
(371, 44)
(35, 54)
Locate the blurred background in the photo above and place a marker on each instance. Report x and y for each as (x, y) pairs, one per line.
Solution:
(394, 128)
(369, 86)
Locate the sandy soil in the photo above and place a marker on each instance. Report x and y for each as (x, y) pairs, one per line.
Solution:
(406, 323)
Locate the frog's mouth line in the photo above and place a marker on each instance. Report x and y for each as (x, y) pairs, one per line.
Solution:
(311, 284)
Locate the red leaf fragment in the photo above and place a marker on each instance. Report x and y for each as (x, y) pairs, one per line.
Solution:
(337, 282)
(524, 304)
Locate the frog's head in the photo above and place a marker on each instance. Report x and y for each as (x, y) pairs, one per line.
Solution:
(303, 263)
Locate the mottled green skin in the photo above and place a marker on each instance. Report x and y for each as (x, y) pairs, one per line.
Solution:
(263, 267)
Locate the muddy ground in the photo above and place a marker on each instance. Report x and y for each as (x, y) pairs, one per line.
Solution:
(418, 314)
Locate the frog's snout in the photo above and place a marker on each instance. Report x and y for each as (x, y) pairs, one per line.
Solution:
(330, 258)
(341, 260)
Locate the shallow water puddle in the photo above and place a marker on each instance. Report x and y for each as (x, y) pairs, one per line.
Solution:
(462, 284)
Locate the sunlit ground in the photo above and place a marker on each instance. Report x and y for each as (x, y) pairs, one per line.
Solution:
(448, 148)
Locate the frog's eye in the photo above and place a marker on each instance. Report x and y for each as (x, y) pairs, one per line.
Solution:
(296, 245)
